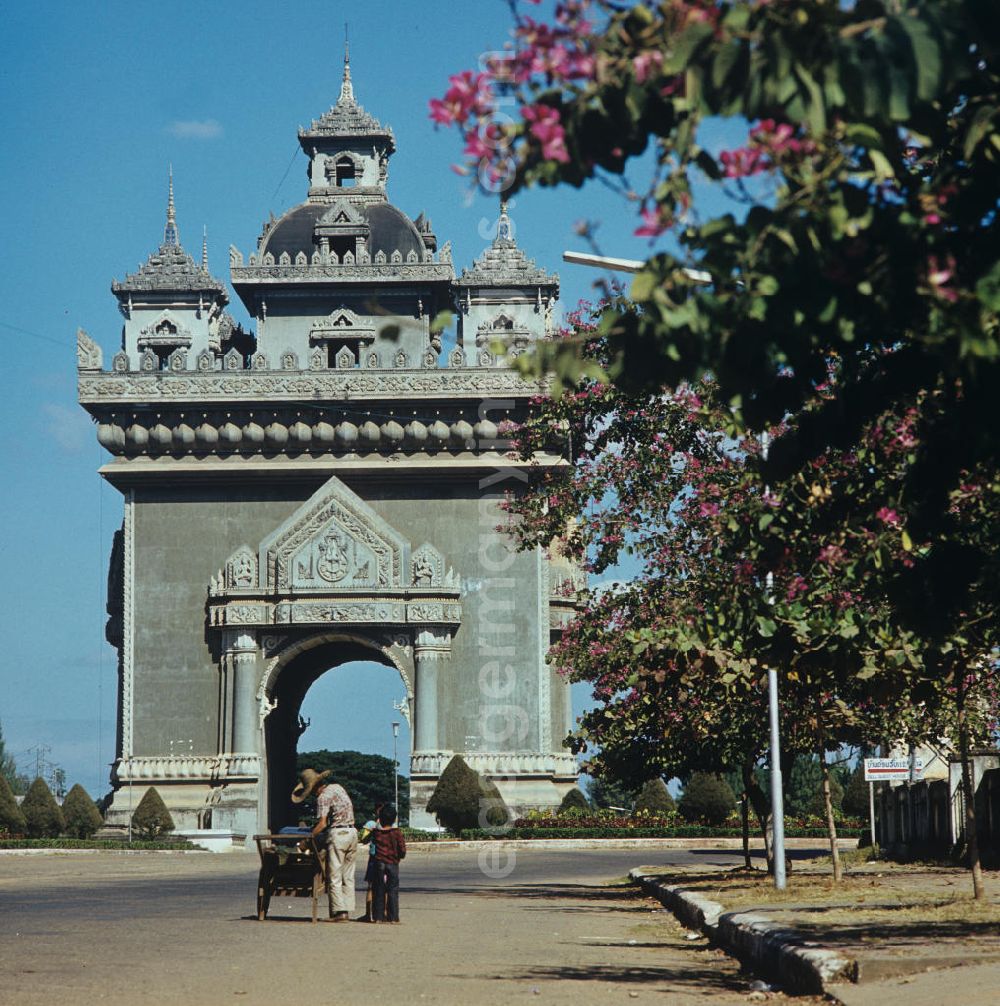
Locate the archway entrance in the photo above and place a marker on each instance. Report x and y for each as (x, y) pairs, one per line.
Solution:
(363, 718)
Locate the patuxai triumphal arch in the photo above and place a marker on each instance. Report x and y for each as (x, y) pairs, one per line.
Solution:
(322, 489)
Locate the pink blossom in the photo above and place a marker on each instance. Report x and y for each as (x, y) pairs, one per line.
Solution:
(645, 64)
(939, 276)
(469, 95)
(708, 509)
(547, 129)
(831, 555)
(888, 516)
(652, 223)
(742, 162)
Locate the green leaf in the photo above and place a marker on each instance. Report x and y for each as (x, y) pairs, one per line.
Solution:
(765, 626)
(725, 60)
(441, 321)
(926, 55)
(907, 541)
(765, 520)
(988, 288)
(979, 128)
(643, 286)
(816, 107)
(883, 169)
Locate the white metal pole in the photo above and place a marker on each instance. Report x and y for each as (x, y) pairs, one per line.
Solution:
(871, 810)
(777, 793)
(129, 763)
(395, 766)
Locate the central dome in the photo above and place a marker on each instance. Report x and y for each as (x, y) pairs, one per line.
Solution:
(390, 230)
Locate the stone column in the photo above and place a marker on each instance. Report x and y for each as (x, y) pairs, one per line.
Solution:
(242, 652)
(430, 649)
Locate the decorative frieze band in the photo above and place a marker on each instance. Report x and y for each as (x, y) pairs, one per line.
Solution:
(501, 763)
(324, 611)
(296, 385)
(181, 768)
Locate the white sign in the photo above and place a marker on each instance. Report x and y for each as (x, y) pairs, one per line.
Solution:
(887, 769)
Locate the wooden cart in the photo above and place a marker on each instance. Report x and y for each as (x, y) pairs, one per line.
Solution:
(292, 866)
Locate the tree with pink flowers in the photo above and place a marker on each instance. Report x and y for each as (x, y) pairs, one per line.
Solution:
(851, 302)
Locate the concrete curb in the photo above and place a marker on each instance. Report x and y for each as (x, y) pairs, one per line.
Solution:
(652, 844)
(773, 950)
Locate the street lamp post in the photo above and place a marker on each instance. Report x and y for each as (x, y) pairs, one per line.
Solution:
(395, 766)
(777, 785)
(777, 796)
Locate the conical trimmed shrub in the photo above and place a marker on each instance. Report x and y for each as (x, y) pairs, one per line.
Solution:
(11, 818)
(151, 818)
(655, 798)
(81, 814)
(575, 803)
(463, 799)
(42, 816)
(707, 799)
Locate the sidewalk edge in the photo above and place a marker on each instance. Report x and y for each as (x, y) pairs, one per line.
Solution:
(772, 950)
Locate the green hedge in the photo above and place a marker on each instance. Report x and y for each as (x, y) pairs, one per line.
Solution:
(681, 831)
(92, 843)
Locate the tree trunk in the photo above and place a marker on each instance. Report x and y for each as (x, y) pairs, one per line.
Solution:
(745, 814)
(831, 825)
(762, 811)
(969, 791)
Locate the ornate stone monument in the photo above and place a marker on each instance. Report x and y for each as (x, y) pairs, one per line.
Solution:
(324, 489)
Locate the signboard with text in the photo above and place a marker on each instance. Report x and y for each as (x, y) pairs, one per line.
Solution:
(889, 769)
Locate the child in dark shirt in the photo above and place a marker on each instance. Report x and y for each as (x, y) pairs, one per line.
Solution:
(390, 848)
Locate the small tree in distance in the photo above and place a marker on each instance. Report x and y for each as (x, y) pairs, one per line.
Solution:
(655, 798)
(151, 818)
(574, 802)
(11, 818)
(42, 816)
(707, 798)
(80, 814)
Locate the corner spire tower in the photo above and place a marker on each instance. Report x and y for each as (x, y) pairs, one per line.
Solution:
(170, 233)
(346, 87)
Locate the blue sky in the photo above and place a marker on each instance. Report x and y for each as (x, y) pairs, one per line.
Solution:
(96, 101)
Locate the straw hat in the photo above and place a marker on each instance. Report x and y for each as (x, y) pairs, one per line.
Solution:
(309, 779)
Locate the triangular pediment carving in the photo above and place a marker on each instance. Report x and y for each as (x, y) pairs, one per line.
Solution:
(341, 218)
(334, 541)
(342, 323)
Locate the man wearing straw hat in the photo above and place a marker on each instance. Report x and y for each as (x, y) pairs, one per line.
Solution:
(336, 818)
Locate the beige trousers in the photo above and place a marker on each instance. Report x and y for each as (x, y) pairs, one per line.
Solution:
(341, 848)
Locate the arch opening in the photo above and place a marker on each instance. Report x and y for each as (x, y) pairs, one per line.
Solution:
(336, 695)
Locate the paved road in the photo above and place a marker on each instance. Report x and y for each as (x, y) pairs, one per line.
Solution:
(478, 928)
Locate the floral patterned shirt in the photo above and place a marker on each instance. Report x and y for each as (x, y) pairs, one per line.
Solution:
(335, 805)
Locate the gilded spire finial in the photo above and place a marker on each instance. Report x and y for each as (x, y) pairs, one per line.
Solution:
(204, 248)
(170, 234)
(346, 87)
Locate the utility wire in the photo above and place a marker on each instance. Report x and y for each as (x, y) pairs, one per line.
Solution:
(35, 335)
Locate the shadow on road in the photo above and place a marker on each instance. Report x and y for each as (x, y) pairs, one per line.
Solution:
(705, 980)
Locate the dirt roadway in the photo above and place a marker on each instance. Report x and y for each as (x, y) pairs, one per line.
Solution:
(179, 929)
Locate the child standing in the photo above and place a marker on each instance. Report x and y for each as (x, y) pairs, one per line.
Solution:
(390, 848)
(368, 836)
